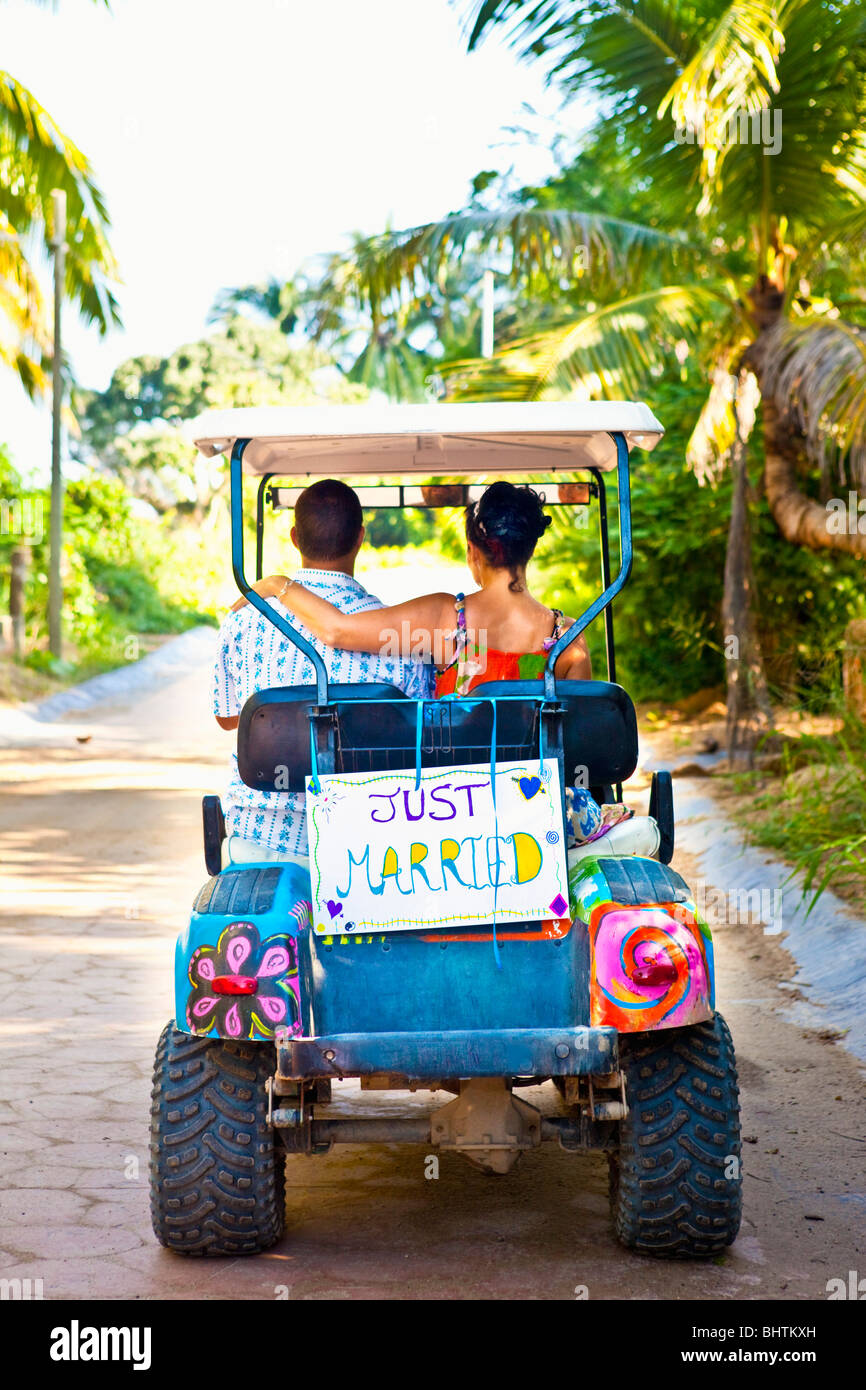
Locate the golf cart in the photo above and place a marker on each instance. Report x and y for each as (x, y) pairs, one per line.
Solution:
(445, 939)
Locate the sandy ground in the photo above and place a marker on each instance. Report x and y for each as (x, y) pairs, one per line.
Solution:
(101, 855)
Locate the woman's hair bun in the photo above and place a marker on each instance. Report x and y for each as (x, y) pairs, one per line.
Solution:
(506, 524)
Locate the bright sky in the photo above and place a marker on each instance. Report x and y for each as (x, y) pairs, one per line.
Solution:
(233, 140)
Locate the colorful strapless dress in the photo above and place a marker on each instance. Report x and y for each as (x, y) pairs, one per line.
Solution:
(473, 663)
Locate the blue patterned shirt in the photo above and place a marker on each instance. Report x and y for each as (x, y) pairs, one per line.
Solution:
(254, 656)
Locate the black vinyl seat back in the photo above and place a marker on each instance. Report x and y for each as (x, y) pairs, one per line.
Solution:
(274, 729)
(599, 729)
(375, 729)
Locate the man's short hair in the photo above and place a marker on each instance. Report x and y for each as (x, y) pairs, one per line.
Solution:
(328, 518)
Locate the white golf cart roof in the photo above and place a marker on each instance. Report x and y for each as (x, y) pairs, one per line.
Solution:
(435, 439)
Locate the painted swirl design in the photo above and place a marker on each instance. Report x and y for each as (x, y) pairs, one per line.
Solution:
(625, 940)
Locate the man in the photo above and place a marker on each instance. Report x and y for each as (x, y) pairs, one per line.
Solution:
(253, 655)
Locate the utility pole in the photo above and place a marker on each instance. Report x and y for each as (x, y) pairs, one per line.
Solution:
(487, 314)
(55, 583)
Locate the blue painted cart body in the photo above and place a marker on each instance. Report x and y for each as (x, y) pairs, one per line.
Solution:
(406, 1002)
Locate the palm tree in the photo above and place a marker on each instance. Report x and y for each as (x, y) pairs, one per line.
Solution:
(276, 300)
(771, 241)
(396, 289)
(784, 319)
(769, 244)
(35, 158)
(787, 230)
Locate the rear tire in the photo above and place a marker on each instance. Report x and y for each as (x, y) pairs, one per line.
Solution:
(676, 1183)
(217, 1177)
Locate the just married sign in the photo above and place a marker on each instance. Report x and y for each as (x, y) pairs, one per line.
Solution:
(385, 856)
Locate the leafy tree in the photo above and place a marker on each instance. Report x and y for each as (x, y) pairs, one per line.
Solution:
(393, 343)
(670, 635)
(698, 72)
(395, 284)
(133, 429)
(399, 526)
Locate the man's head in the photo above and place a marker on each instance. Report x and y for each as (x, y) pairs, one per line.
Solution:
(329, 526)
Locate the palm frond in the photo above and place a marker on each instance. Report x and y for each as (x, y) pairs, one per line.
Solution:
(28, 128)
(274, 299)
(815, 367)
(392, 367)
(848, 233)
(716, 428)
(625, 53)
(538, 23)
(797, 69)
(710, 62)
(24, 341)
(554, 244)
(613, 351)
(564, 32)
(735, 66)
(35, 158)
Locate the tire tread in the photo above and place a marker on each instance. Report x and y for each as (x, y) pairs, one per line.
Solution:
(669, 1196)
(217, 1174)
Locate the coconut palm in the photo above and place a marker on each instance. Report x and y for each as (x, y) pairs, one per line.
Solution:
(36, 156)
(770, 244)
(411, 297)
(667, 71)
(276, 300)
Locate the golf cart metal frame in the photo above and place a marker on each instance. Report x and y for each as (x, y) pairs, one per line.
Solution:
(265, 496)
(560, 1013)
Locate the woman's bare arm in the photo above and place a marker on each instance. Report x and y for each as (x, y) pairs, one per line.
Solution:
(405, 629)
(575, 663)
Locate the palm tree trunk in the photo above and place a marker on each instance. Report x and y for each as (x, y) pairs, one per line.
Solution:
(854, 667)
(749, 715)
(801, 519)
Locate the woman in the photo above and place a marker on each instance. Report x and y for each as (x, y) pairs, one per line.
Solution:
(498, 633)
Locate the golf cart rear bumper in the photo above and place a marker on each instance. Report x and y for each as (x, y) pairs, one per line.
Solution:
(499, 1052)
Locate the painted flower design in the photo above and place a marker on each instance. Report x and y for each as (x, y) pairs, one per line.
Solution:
(275, 1000)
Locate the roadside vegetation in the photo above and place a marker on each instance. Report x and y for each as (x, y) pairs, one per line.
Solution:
(805, 798)
(810, 808)
(125, 581)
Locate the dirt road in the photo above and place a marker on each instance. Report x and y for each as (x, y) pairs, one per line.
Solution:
(100, 856)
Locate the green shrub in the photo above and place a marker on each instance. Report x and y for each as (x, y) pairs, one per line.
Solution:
(122, 577)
